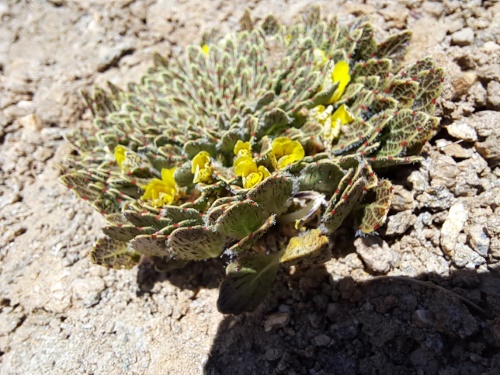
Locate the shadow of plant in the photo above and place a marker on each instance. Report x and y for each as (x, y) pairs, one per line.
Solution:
(316, 323)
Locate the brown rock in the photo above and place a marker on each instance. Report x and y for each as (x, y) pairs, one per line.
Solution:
(493, 101)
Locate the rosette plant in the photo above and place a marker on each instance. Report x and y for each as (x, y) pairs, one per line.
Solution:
(256, 145)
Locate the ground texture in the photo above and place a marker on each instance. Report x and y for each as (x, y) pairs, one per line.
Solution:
(59, 314)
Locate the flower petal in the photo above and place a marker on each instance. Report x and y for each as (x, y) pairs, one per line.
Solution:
(341, 75)
(120, 155)
(342, 114)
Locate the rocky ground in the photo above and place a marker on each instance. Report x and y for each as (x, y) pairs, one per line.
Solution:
(59, 314)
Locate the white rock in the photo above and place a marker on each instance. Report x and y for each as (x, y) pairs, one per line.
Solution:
(452, 226)
(461, 130)
(464, 37)
(276, 321)
(479, 240)
(375, 253)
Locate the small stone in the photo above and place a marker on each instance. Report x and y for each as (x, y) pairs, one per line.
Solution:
(490, 150)
(485, 122)
(322, 340)
(418, 181)
(493, 99)
(479, 240)
(399, 223)
(434, 8)
(477, 94)
(452, 226)
(464, 37)
(273, 354)
(462, 83)
(464, 256)
(436, 198)
(456, 151)
(31, 123)
(402, 199)
(423, 318)
(88, 290)
(375, 253)
(443, 170)
(461, 130)
(276, 321)
(489, 73)
(333, 311)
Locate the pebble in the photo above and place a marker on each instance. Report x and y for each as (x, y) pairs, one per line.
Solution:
(462, 38)
(456, 151)
(276, 321)
(418, 181)
(461, 130)
(322, 340)
(273, 354)
(436, 198)
(493, 98)
(376, 253)
(402, 199)
(479, 240)
(490, 150)
(88, 290)
(399, 223)
(489, 73)
(464, 256)
(31, 123)
(452, 226)
(423, 318)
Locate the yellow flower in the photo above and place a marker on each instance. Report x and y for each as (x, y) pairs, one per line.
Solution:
(341, 75)
(340, 117)
(321, 114)
(205, 49)
(162, 192)
(342, 114)
(120, 155)
(286, 152)
(201, 167)
(242, 148)
(247, 169)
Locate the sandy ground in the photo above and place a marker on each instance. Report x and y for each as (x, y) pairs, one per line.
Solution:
(59, 314)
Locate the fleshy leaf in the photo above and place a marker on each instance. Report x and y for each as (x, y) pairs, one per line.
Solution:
(196, 243)
(311, 247)
(125, 232)
(273, 193)
(375, 213)
(114, 254)
(152, 245)
(241, 219)
(246, 243)
(322, 176)
(247, 283)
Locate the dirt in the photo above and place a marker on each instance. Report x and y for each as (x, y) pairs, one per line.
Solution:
(421, 298)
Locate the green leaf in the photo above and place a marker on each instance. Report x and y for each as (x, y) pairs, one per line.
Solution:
(246, 243)
(241, 219)
(310, 247)
(114, 254)
(247, 283)
(322, 176)
(126, 232)
(152, 245)
(196, 243)
(274, 193)
(375, 213)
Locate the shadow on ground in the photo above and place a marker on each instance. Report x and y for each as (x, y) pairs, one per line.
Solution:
(315, 324)
(188, 275)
